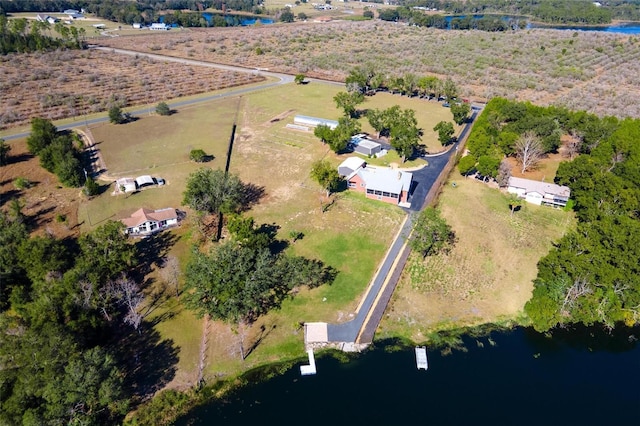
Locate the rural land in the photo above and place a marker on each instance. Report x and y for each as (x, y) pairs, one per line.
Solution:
(175, 210)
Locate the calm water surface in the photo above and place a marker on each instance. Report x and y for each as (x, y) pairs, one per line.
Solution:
(582, 377)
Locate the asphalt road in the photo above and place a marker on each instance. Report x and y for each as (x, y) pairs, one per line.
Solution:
(282, 79)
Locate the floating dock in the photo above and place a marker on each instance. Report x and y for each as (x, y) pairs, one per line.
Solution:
(421, 358)
(309, 370)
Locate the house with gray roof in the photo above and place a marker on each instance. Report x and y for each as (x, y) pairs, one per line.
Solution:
(382, 183)
(539, 193)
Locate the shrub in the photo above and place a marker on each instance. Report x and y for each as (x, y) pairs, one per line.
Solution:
(163, 109)
(198, 155)
(115, 115)
(22, 183)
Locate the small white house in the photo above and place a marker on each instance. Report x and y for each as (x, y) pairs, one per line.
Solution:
(159, 26)
(539, 193)
(137, 25)
(146, 221)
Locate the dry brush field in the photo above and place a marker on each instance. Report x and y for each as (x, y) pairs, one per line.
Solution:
(594, 71)
(69, 83)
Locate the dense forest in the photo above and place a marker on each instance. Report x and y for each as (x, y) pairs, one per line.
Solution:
(592, 274)
(73, 347)
(550, 11)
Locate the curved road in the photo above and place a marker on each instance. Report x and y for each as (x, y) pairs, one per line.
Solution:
(282, 79)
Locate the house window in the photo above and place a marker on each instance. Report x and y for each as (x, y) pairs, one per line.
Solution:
(378, 192)
(352, 184)
(370, 191)
(362, 184)
(163, 223)
(386, 194)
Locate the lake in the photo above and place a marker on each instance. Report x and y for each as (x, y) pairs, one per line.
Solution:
(620, 28)
(579, 377)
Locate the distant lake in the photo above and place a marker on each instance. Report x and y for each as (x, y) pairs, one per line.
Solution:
(234, 20)
(579, 377)
(621, 28)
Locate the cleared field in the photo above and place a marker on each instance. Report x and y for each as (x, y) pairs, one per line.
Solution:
(351, 234)
(70, 83)
(597, 72)
(488, 275)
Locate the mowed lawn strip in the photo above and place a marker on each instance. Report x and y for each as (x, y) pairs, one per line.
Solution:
(488, 274)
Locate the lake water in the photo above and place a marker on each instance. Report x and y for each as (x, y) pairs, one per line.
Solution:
(234, 20)
(582, 377)
(620, 28)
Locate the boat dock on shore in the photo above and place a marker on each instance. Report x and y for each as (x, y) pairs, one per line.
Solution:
(421, 358)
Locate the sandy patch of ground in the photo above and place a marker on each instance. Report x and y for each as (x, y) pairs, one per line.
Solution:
(49, 207)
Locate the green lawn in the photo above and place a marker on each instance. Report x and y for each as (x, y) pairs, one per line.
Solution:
(351, 235)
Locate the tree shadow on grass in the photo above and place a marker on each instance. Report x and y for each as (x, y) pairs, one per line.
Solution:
(252, 194)
(150, 361)
(152, 251)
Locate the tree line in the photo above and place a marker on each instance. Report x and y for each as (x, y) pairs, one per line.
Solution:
(418, 18)
(592, 274)
(551, 11)
(528, 133)
(22, 36)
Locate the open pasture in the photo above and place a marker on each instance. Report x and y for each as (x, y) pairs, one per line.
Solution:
(488, 274)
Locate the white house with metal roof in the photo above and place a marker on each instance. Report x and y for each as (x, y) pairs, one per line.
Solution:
(145, 221)
(381, 183)
(540, 193)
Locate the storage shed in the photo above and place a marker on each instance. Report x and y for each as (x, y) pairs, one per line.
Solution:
(365, 146)
(305, 120)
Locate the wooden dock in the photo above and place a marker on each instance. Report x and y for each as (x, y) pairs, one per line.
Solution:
(309, 370)
(421, 358)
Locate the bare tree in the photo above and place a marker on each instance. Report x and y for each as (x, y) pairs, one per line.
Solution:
(170, 273)
(504, 173)
(579, 288)
(131, 297)
(574, 145)
(529, 150)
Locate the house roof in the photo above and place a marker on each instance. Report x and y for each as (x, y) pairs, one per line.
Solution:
(368, 144)
(143, 215)
(384, 179)
(352, 163)
(540, 187)
(315, 121)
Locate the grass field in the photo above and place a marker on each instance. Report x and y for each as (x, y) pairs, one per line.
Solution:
(488, 275)
(347, 231)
